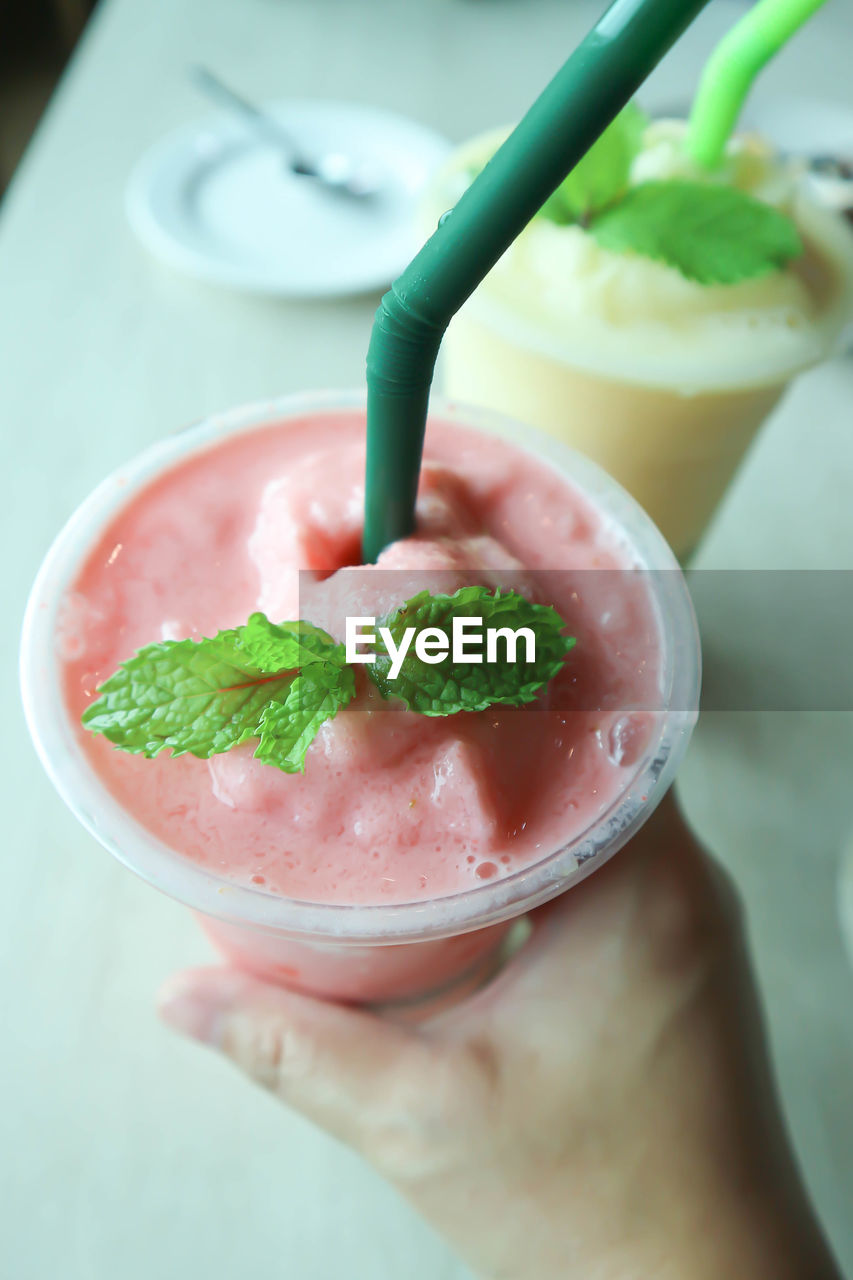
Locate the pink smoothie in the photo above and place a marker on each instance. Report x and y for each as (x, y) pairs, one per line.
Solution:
(392, 806)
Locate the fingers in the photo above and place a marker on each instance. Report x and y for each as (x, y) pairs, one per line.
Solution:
(596, 907)
(661, 862)
(352, 1073)
(649, 906)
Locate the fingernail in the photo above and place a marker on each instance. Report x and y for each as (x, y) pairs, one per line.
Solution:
(192, 1010)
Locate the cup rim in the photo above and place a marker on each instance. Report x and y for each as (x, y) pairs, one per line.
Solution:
(56, 742)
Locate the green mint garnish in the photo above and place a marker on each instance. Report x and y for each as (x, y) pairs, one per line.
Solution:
(206, 696)
(449, 687)
(281, 648)
(712, 234)
(601, 176)
(279, 683)
(288, 728)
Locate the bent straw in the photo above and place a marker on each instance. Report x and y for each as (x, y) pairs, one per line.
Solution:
(575, 108)
(731, 69)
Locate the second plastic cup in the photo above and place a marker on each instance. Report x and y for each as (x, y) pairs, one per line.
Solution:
(383, 952)
(663, 382)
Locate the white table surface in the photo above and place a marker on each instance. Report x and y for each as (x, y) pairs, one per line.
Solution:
(127, 1152)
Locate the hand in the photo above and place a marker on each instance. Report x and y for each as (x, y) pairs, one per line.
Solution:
(602, 1110)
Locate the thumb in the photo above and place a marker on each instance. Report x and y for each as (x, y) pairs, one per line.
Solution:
(356, 1075)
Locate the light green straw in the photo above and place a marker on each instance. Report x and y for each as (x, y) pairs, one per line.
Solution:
(731, 69)
(574, 110)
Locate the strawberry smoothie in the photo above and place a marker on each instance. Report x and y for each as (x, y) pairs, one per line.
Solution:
(394, 809)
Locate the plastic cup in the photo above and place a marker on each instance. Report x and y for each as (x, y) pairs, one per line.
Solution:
(670, 420)
(381, 953)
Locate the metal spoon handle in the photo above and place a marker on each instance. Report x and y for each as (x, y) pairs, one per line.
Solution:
(262, 123)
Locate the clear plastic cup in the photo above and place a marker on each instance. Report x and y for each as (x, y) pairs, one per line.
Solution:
(388, 952)
(667, 399)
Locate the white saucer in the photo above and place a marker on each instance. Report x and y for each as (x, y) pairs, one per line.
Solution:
(217, 203)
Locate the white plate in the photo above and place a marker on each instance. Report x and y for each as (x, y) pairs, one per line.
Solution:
(214, 201)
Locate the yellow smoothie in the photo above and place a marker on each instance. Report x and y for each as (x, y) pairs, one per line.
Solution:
(663, 381)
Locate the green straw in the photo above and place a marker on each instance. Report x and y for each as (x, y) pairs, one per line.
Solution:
(601, 75)
(731, 69)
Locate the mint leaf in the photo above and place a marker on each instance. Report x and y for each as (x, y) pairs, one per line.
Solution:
(280, 682)
(276, 648)
(448, 687)
(711, 233)
(287, 729)
(602, 174)
(205, 696)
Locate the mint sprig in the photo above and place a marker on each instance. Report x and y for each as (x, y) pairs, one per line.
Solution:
(448, 687)
(206, 696)
(711, 233)
(285, 647)
(279, 683)
(601, 176)
(288, 728)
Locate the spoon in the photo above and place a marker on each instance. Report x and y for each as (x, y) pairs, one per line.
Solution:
(331, 169)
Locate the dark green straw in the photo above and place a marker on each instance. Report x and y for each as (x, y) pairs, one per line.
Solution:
(602, 74)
